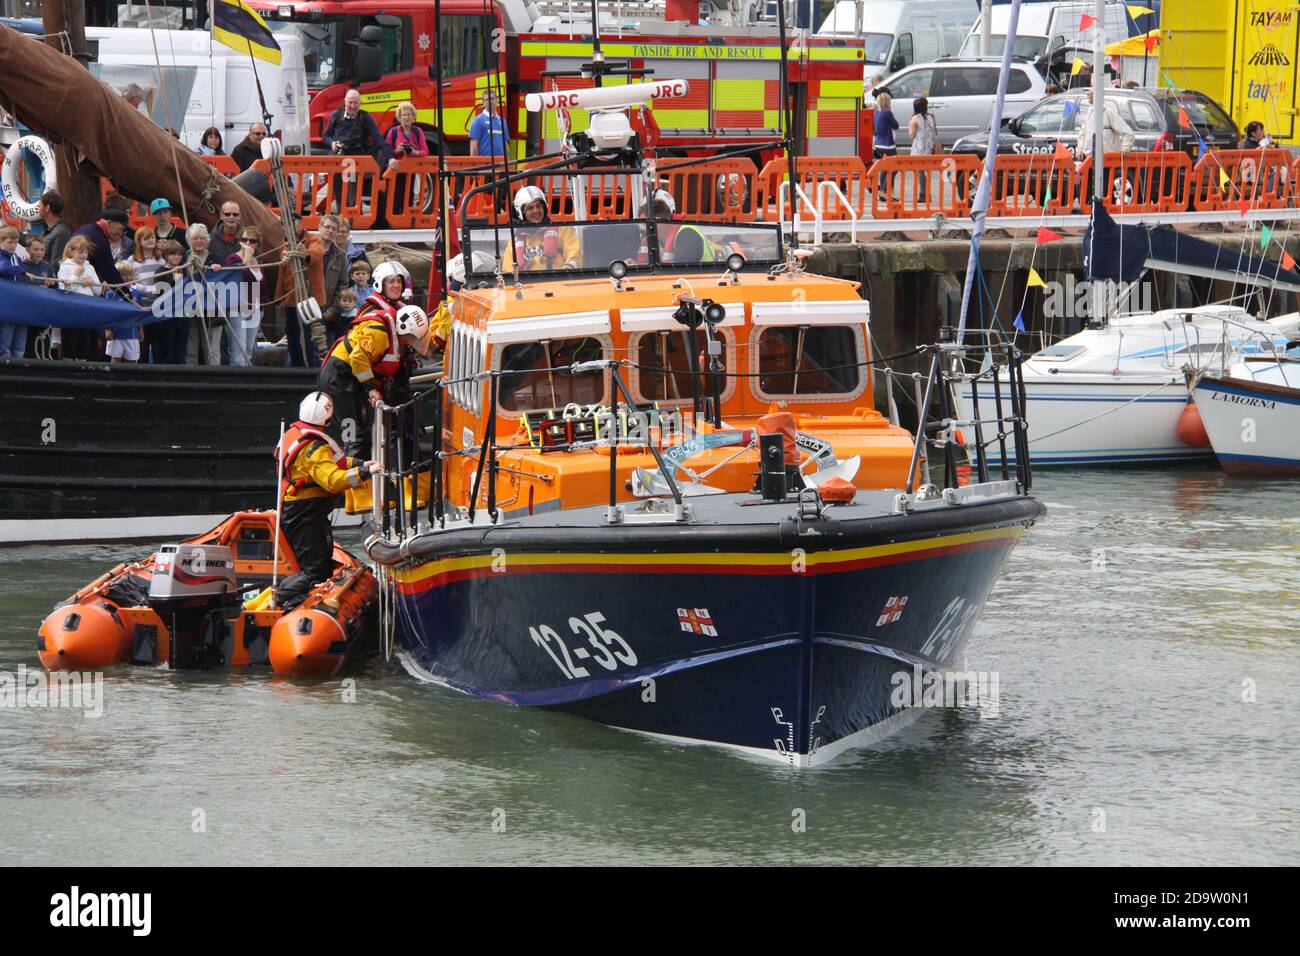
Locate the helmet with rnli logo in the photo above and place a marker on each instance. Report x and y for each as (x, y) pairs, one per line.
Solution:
(385, 271)
(412, 321)
(525, 197)
(316, 409)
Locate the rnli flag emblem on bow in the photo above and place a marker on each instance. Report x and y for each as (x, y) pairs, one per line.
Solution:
(893, 610)
(696, 621)
(242, 28)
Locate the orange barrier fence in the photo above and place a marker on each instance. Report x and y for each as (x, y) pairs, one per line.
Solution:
(1033, 184)
(717, 191)
(348, 185)
(1225, 178)
(1141, 182)
(919, 187)
(847, 174)
(832, 188)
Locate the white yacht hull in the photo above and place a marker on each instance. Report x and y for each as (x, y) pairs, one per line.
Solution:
(1254, 426)
(1096, 422)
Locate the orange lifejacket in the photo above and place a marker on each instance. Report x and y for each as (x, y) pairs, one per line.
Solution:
(380, 313)
(297, 438)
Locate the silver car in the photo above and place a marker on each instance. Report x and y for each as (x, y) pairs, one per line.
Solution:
(961, 92)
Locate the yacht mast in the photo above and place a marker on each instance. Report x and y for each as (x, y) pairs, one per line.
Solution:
(980, 206)
(1098, 140)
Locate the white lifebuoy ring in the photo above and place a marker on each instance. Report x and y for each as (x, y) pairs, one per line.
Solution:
(18, 203)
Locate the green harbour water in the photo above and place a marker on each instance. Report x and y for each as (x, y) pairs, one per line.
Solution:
(1146, 637)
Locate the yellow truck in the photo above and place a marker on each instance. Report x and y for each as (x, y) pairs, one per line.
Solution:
(1242, 53)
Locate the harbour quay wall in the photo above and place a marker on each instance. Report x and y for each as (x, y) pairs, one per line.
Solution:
(915, 288)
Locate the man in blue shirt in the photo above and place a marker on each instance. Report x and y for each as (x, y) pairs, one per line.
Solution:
(488, 135)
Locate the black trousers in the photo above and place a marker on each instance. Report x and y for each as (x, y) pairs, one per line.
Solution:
(351, 404)
(306, 525)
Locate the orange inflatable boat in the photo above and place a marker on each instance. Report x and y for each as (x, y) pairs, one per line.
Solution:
(207, 602)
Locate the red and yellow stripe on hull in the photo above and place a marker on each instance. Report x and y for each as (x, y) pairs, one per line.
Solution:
(439, 572)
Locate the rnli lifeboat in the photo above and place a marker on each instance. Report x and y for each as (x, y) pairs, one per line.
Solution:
(208, 602)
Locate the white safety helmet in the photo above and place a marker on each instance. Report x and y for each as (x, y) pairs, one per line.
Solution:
(385, 271)
(665, 197)
(316, 409)
(526, 195)
(412, 321)
(484, 262)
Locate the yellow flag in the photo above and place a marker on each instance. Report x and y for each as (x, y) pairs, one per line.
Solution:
(1135, 11)
(1076, 66)
(1035, 278)
(1223, 179)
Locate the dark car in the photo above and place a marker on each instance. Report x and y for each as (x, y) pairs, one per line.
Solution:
(1149, 113)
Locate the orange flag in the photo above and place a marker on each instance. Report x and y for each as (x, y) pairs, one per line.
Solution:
(1245, 206)
(1046, 235)
(1086, 21)
(1182, 118)
(1287, 261)
(1062, 152)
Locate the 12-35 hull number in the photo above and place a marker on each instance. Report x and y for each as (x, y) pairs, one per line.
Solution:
(604, 647)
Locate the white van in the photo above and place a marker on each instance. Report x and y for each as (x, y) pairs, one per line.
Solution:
(1046, 26)
(899, 33)
(205, 84)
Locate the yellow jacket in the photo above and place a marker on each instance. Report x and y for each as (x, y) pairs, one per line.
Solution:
(314, 468)
(533, 240)
(369, 350)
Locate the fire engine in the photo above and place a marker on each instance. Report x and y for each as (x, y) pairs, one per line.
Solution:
(732, 60)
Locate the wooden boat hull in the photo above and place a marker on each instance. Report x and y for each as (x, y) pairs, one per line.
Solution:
(99, 451)
(1254, 427)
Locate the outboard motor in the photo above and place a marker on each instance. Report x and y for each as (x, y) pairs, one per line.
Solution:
(194, 590)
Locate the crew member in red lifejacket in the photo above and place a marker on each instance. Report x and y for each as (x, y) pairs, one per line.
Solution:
(374, 359)
(313, 470)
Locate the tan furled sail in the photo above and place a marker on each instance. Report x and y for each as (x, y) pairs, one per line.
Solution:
(58, 98)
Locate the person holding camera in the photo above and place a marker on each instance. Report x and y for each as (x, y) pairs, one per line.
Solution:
(353, 132)
(404, 140)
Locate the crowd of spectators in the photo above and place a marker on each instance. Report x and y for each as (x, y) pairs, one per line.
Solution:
(221, 269)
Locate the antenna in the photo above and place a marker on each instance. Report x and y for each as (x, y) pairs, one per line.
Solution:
(788, 123)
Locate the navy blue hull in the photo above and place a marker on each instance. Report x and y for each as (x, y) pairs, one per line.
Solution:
(793, 658)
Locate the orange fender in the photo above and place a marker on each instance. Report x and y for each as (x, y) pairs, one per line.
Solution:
(87, 636)
(1191, 430)
(313, 639)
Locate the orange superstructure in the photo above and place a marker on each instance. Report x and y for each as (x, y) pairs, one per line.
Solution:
(790, 342)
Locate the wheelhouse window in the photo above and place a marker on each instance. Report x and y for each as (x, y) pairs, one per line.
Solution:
(532, 374)
(664, 373)
(809, 360)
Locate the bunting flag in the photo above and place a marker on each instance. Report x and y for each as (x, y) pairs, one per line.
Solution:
(1047, 195)
(1265, 236)
(1182, 118)
(1062, 152)
(1135, 11)
(1245, 207)
(1202, 147)
(1071, 107)
(240, 27)
(1287, 261)
(1035, 279)
(1076, 66)
(1020, 319)
(1046, 235)
(1151, 40)
(1086, 21)
(1223, 179)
